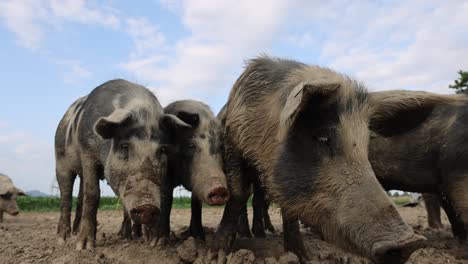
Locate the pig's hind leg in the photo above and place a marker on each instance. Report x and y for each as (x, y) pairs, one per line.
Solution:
(65, 180)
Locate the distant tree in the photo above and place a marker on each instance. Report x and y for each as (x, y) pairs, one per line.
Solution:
(461, 85)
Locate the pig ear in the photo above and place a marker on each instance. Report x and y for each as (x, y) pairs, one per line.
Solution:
(172, 123)
(193, 119)
(396, 112)
(318, 91)
(20, 192)
(106, 127)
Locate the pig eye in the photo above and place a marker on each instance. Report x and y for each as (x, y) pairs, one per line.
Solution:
(6, 196)
(162, 150)
(190, 146)
(124, 150)
(323, 139)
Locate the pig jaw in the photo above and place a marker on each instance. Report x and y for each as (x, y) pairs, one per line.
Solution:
(209, 182)
(142, 201)
(344, 200)
(367, 219)
(9, 206)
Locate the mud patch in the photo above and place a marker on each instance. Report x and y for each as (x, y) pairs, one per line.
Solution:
(30, 238)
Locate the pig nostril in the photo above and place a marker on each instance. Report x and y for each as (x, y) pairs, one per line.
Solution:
(394, 252)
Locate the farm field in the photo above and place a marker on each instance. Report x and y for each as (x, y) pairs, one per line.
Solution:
(30, 238)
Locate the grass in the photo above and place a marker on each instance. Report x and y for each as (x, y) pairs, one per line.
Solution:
(401, 200)
(47, 204)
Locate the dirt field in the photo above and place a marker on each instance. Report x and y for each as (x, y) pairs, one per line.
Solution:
(30, 238)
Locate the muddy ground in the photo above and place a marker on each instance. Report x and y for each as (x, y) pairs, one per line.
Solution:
(30, 238)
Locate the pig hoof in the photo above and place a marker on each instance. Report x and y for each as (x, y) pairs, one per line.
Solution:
(85, 244)
(60, 241)
(197, 234)
(153, 242)
(162, 242)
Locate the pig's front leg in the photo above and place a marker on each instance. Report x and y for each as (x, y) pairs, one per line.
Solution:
(164, 226)
(292, 237)
(196, 228)
(91, 197)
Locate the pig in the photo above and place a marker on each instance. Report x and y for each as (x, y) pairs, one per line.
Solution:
(432, 157)
(8, 194)
(115, 133)
(195, 162)
(303, 130)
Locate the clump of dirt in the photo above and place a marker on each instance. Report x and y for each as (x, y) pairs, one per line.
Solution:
(187, 251)
(242, 256)
(289, 258)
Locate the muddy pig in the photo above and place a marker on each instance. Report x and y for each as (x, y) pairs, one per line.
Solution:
(8, 194)
(432, 157)
(304, 131)
(195, 162)
(114, 133)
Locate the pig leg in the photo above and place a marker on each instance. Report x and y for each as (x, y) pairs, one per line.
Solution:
(164, 225)
(458, 229)
(91, 196)
(458, 196)
(433, 210)
(137, 230)
(243, 224)
(125, 231)
(258, 204)
(266, 218)
(292, 237)
(65, 181)
(196, 228)
(79, 210)
(239, 188)
(1, 216)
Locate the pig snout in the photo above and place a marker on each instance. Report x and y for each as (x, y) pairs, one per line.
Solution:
(218, 195)
(396, 252)
(15, 213)
(144, 214)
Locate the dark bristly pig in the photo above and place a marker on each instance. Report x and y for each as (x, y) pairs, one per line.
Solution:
(430, 158)
(114, 133)
(8, 194)
(195, 162)
(304, 131)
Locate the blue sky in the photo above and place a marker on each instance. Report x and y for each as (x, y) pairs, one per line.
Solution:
(54, 51)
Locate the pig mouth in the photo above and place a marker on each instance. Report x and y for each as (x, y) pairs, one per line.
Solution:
(145, 214)
(218, 196)
(14, 213)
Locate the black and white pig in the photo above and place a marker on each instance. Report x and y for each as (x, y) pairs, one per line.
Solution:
(114, 133)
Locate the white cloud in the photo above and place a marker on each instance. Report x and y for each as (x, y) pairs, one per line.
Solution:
(11, 137)
(146, 37)
(72, 70)
(30, 20)
(82, 11)
(408, 45)
(222, 34)
(24, 19)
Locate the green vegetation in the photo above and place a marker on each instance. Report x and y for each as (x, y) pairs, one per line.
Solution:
(45, 204)
(401, 200)
(461, 85)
